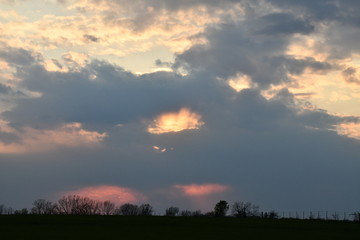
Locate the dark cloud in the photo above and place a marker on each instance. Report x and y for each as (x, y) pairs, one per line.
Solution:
(91, 38)
(5, 89)
(232, 50)
(114, 97)
(17, 56)
(350, 75)
(261, 148)
(344, 11)
(283, 23)
(338, 20)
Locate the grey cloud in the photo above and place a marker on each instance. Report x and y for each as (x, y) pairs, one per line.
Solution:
(5, 89)
(340, 17)
(232, 49)
(91, 38)
(141, 18)
(283, 23)
(350, 75)
(260, 148)
(297, 66)
(160, 63)
(9, 91)
(325, 10)
(8, 138)
(114, 97)
(57, 63)
(17, 56)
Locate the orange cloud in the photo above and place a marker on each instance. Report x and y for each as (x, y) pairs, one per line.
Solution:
(118, 195)
(240, 82)
(351, 130)
(175, 122)
(194, 190)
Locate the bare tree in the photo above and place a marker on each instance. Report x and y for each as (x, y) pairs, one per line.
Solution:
(273, 214)
(171, 211)
(185, 213)
(107, 208)
(196, 213)
(128, 209)
(244, 209)
(76, 205)
(146, 210)
(23, 211)
(42, 206)
(66, 204)
(2, 209)
(356, 216)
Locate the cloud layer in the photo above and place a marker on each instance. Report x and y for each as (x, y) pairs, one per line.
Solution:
(235, 115)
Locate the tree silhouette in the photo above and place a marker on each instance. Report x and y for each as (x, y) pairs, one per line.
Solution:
(128, 209)
(107, 208)
(42, 206)
(76, 205)
(185, 213)
(171, 211)
(221, 208)
(145, 210)
(244, 209)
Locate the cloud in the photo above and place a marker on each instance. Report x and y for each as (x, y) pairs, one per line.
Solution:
(351, 129)
(5, 89)
(91, 38)
(201, 189)
(175, 122)
(283, 23)
(115, 194)
(350, 75)
(17, 56)
(33, 140)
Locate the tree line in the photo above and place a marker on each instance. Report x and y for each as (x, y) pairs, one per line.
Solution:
(78, 205)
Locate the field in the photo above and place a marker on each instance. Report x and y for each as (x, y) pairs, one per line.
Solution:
(118, 227)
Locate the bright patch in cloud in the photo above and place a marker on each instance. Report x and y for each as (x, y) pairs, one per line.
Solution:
(159, 149)
(349, 129)
(175, 122)
(118, 195)
(201, 189)
(240, 82)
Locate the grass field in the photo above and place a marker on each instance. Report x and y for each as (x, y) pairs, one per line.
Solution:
(118, 227)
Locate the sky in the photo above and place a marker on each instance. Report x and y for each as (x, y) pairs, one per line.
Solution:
(181, 102)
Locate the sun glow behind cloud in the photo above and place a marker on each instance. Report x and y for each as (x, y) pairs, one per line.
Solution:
(116, 194)
(175, 122)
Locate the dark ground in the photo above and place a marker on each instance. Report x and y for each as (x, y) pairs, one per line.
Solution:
(118, 227)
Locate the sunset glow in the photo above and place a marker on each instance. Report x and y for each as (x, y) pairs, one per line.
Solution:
(201, 189)
(118, 195)
(175, 122)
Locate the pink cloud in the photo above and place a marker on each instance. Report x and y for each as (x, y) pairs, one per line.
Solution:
(118, 195)
(194, 190)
